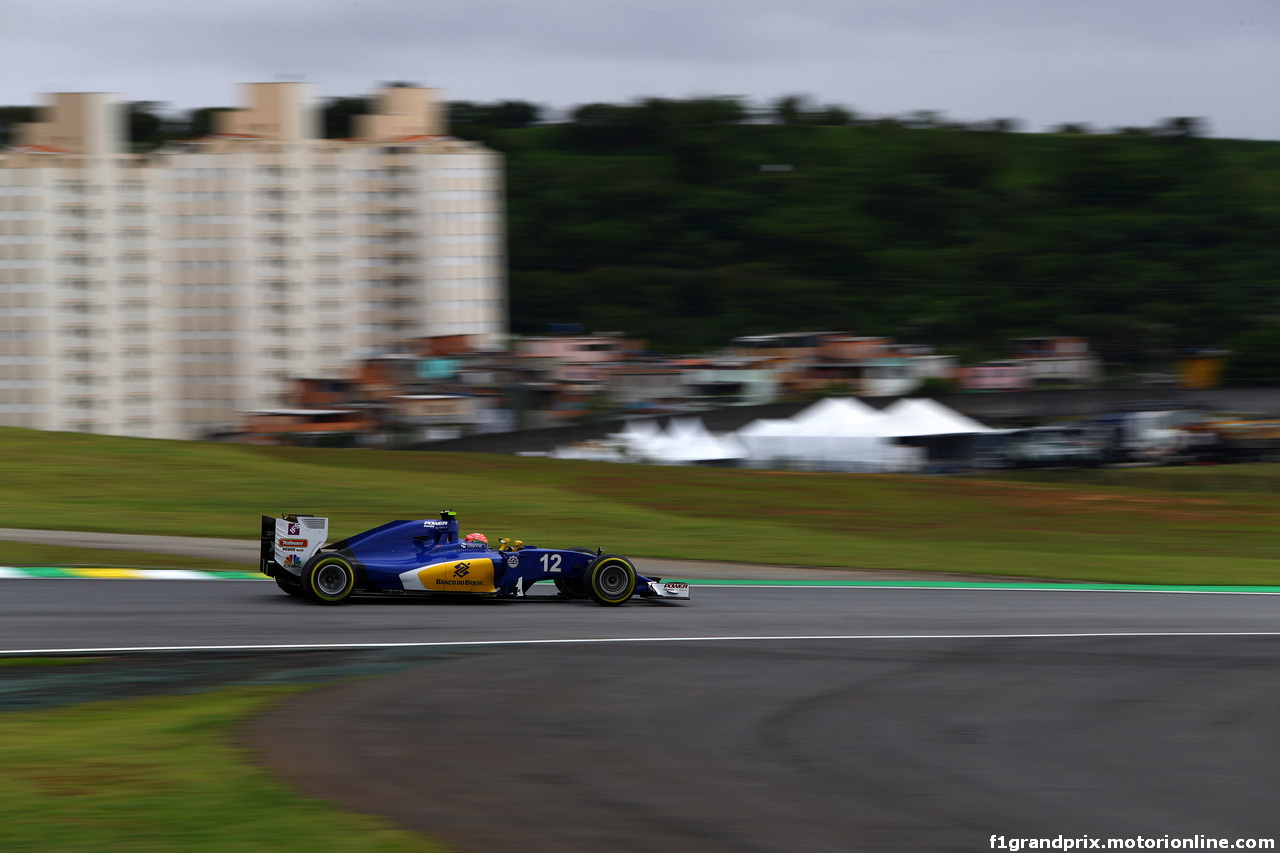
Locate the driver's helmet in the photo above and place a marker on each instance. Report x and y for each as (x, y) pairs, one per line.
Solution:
(479, 538)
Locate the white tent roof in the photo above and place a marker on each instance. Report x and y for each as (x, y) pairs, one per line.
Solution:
(765, 426)
(639, 429)
(838, 418)
(917, 417)
(834, 410)
(684, 440)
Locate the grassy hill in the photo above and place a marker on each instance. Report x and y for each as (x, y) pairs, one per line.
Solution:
(640, 221)
(998, 527)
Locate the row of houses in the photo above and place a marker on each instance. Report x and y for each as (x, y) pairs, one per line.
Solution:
(445, 386)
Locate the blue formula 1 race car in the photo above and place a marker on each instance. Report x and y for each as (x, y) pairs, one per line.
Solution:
(427, 557)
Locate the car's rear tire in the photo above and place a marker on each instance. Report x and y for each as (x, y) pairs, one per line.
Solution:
(328, 578)
(611, 580)
(288, 583)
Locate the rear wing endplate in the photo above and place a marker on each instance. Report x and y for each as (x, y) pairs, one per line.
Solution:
(289, 541)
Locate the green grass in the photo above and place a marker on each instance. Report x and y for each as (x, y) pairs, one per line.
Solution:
(997, 526)
(1258, 478)
(161, 774)
(29, 554)
(49, 661)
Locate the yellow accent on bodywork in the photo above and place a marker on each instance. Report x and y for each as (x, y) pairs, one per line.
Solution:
(468, 574)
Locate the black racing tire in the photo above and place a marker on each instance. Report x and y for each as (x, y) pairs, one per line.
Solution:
(572, 587)
(328, 578)
(288, 583)
(611, 580)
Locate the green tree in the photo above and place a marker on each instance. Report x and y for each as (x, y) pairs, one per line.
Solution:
(147, 125)
(337, 116)
(10, 117)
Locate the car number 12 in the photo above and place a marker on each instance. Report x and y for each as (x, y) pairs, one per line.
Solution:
(551, 562)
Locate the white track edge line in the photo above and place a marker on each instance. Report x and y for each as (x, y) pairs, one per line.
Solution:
(992, 588)
(586, 640)
(995, 587)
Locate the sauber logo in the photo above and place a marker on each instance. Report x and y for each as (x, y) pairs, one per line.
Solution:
(461, 570)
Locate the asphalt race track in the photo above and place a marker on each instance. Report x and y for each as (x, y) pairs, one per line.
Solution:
(836, 719)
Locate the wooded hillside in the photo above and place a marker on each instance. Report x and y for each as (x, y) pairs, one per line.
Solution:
(688, 227)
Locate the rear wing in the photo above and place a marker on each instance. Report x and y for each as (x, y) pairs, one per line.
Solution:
(289, 541)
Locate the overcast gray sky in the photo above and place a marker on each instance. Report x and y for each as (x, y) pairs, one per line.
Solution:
(1105, 62)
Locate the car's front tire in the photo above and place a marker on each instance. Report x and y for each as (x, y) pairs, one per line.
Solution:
(328, 578)
(611, 580)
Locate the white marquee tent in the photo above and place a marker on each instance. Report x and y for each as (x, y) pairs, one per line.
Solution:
(685, 441)
(839, 434)
(917, 417)
(847, 434)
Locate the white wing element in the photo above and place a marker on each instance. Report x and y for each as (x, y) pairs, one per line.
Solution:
(295, 541)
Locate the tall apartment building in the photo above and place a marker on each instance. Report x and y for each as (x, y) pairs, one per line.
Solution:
(161, 294)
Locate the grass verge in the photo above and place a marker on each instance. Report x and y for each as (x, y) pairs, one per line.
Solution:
(43, 662)
(1084, 531)
(29, 554)
(161, 774)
